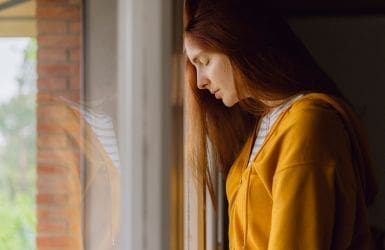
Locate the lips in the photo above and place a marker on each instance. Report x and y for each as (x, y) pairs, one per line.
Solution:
(216, 93)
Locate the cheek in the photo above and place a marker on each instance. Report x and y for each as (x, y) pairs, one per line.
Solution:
(227, 75)
(211, 73)
(219, 74)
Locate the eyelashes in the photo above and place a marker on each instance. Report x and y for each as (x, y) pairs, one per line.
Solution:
(205, 61)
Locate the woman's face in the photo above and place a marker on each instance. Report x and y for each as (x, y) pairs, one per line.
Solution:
(214, 72)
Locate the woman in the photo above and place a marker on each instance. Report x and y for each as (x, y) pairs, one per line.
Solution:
(297, 171)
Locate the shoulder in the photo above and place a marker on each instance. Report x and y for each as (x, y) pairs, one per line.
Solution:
(313, 115)
(311, 130)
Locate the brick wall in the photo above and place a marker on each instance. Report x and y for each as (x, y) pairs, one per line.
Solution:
(58, 196)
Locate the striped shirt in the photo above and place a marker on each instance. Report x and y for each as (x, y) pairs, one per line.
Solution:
(103, 128)
(267, 123)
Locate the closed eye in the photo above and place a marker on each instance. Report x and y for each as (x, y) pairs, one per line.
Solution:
(204, 61)
(201, 60)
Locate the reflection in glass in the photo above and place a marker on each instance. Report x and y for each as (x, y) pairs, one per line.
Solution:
(97, 146)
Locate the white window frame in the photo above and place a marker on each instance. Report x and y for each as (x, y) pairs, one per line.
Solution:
(144, 125)
(144, 76)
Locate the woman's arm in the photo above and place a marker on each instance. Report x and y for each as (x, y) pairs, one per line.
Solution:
(313, 183)
(303, 207)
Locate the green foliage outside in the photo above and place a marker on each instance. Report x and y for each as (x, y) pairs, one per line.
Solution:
(17, 160)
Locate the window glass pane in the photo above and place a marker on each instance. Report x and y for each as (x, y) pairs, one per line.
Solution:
(17, 143)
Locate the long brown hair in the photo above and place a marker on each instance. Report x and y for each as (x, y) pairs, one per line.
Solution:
(269, 63)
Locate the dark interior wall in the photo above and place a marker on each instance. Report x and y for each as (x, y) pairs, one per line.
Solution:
(351, 49)
(329, 6)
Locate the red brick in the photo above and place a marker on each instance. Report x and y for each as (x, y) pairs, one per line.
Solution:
(75, 27)
(51, 27)
(52, 112)
(71, 128)
(57, 241)
(74, 227)
(60, 98)
(51, 213)
(74, 83)
(53, 165)
(52, 83)
(53, 184)
(59, 41)
(55, 199)
(46, 97)
(62, 156)
(52, 2)
(52, 227)
(64, 193)
(75, 55)
(46, 55)
(48, 126)
(52, 141)
(59, 135)
(59, 69)
(58, 12)
(74, 2)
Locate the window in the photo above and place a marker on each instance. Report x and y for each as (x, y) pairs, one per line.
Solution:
(17, 143)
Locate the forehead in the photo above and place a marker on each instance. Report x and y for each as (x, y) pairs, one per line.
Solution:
(192, 48)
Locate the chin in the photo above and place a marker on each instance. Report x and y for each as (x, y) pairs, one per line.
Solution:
(229, 103)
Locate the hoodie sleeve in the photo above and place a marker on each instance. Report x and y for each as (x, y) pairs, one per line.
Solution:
(307, 186)
(303, 208)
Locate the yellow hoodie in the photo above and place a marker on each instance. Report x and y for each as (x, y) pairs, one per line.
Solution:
(308, 185)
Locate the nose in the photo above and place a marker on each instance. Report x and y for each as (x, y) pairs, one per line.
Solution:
(202, 81)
